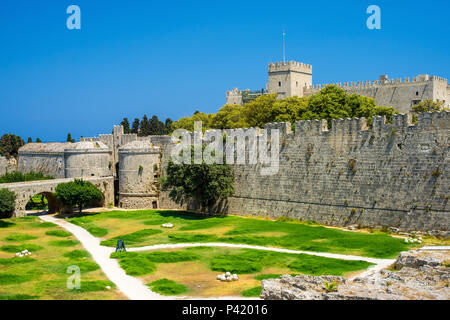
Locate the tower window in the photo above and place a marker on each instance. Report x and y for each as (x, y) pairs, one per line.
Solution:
(296, 83)
(279, 83)
(417, 93)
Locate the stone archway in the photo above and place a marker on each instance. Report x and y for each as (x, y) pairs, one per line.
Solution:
(53, 203)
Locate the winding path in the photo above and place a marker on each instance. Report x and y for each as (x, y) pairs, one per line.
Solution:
(134, 289)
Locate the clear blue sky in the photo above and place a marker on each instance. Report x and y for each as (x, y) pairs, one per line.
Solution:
(171, 58)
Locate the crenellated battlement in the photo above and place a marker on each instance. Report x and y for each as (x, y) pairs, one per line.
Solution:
(348, 126)
(383, 82)
(290, 66)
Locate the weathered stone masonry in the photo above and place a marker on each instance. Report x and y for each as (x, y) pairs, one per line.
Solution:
(388, 175)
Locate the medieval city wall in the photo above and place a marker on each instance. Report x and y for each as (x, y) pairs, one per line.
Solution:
(387, 175)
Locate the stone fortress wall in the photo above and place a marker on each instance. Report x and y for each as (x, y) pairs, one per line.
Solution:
(293, 78)
(386, 175)
(7, 165)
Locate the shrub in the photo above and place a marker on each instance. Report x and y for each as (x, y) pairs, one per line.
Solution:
(77, 254)
(331, 287)
(78, 192)
(17, 176)
(58, 233)
(7, 203)
(167, 287)
(20, 237)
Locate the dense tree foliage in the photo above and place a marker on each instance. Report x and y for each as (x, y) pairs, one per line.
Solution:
(10, 144)
(7, 203)
(427, 105)
(331, 102)
(204, 183)
(126, 125)
(146, 127)
(77, 193)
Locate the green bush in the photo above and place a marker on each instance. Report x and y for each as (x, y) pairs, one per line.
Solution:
(167, 287)
(77, 193)
(17, 176)
(17, 237)
(58, 233)
(14, 249)
(64, 243)
(7, 203)
(137, 265)
(77, 254)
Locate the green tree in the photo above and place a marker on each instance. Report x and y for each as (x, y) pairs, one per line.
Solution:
(77, 193)
(144, 127)
(38, 140)
(328, 103)
(126, 125)
(135, 126)
(7, 203)
(230, 116)
(428, 105)
(188, 122)
(204, 183)
(259, 111)
(69, 138)
(168, 126)
(10, 144)
(29, 140)
(289, 109)
(156, 127)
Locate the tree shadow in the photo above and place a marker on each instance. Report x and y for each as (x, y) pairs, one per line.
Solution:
(6, 224)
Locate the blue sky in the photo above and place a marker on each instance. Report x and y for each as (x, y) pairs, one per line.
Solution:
(171, 58)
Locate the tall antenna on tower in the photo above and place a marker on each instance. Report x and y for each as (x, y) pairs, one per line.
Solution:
(284, 46)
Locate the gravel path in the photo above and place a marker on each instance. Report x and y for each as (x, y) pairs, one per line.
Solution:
(134, 289)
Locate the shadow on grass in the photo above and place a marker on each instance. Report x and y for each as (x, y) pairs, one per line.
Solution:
(6, 224)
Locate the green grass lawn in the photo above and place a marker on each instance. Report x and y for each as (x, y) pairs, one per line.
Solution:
(143, 227)
(202, 264)
(43, 274)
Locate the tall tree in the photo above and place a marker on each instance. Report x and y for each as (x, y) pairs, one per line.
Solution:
(38, 140)
(135, 126)
(156, 127)
(69, 138)
(29, 140)
(145, 129)
(10, 144)
(168, 126)
(126, 125)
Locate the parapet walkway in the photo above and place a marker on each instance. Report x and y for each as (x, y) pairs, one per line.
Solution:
(134, 289)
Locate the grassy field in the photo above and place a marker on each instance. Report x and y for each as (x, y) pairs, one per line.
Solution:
(140, 228)
(160, 270)
(42, 275)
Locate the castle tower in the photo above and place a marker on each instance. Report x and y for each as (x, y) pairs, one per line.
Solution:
(139, 168)
(289, 78)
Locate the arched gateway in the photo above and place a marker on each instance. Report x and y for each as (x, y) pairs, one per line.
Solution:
(25, 190)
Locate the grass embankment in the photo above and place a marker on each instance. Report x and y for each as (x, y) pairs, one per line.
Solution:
(141, 228)
(42, 275)
(199, 267)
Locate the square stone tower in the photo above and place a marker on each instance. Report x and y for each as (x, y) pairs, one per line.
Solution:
(289, 78)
